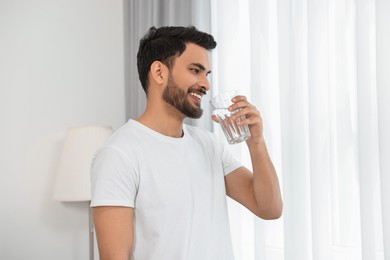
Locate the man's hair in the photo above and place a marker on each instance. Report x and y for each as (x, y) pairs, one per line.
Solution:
(165, 44)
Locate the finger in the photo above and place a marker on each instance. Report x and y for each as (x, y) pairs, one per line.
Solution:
(240, 104)
(239, 98)
(214, 118)
(249, 111)
(239, 101)
(249, 121)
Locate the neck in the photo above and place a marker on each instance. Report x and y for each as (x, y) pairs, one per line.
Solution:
(167, 120)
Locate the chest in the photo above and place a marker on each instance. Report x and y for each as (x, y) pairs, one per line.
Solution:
(180, 176)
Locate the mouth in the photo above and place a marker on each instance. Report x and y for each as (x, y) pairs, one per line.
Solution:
(197, 96)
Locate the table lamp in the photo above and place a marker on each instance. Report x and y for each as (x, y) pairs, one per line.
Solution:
(73, 175)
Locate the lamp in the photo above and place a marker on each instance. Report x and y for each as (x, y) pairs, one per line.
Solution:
(73, 175)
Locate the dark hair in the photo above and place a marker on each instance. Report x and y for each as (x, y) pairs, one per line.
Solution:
(166, 43)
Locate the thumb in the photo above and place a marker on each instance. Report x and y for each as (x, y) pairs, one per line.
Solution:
(214, 118)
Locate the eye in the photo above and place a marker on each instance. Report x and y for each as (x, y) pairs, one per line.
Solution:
(195, 71)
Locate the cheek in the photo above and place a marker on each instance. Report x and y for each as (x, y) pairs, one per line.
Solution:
(185, 79)
(186, 83)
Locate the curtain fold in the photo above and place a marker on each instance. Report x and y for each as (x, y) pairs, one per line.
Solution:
(383, 91)
(370, 197)
(318, 72)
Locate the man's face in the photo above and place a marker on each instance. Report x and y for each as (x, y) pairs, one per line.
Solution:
(188, 81)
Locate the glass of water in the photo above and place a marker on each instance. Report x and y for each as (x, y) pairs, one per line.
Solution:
(234, 133)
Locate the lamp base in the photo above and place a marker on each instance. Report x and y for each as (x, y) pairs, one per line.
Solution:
(91, 234)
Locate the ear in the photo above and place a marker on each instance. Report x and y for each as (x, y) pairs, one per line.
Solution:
(159, 72)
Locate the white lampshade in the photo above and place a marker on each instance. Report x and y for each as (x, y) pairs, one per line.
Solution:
(73, 176)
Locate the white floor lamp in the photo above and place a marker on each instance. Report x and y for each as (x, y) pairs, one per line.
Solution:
(73, 176)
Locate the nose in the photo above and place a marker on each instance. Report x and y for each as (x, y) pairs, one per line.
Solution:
(205, 83)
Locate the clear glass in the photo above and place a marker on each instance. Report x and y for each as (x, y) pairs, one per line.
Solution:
(234, 133)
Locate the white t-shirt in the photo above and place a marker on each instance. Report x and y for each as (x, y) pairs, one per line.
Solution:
(176, 187)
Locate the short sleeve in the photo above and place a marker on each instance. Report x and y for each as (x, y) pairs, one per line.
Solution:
(228, 161)
(114, 181)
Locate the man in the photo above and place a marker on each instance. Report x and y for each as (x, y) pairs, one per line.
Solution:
(159, 186)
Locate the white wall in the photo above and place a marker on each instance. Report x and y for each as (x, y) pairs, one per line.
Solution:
(61, 65)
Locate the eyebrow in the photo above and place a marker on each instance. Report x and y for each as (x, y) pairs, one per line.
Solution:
(201, 67)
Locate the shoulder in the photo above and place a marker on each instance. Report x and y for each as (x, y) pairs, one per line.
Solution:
(118, 156)
(122, 142)
(126, 132)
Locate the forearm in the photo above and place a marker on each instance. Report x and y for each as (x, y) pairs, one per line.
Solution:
(265, 181)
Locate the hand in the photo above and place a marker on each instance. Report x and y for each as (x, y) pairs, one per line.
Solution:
(253, 118)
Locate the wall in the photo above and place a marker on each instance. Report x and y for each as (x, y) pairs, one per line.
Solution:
(61, 65)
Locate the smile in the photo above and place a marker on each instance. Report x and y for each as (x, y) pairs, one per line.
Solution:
(198, 96)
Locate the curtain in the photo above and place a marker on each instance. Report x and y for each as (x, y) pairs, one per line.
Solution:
(318, 71)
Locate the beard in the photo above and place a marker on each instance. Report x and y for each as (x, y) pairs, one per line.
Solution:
(178, 98)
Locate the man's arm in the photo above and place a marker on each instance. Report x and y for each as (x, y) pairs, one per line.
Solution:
(258, 191)
(114, 232)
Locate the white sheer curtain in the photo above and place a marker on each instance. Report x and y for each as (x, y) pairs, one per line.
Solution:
(318, 70)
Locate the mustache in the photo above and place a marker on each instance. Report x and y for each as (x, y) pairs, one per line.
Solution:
(197, 90)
